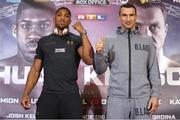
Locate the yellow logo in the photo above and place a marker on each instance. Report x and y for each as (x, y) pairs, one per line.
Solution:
(144, 1)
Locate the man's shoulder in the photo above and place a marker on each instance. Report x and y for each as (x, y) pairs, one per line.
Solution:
(74, 37)
(46, 37)
(111, 37)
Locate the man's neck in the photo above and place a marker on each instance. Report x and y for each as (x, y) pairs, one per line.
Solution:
(132, 29)
(60, 32)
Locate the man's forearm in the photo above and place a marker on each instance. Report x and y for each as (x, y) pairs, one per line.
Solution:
(32, 79)
(87, 50)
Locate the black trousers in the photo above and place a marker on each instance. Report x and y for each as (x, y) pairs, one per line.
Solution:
(59, 106)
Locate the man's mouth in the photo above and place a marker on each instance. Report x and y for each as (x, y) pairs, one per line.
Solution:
(128, 23)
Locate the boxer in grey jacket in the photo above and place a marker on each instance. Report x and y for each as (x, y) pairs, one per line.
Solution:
(134, 74)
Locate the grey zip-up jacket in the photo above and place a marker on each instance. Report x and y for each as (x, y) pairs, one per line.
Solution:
(134, 71)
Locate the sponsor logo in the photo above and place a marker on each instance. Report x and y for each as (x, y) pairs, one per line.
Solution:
(60, 50)
(123, 1)
(118, 2)
(42, 0)
(101, 117)
(163, 117)
(91, 17)
(20, 115)
(149, 1)
(174, 101)
(91, 2)
(94, 101)
(13, 1)
(144, 1)
(15, 100)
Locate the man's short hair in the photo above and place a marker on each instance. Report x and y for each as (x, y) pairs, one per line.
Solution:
(26, 4)
(128, 5)
(65, 8)
(146, 5)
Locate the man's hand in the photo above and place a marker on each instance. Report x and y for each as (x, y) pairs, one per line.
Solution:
(78, 26)
(25, 102)
(100, 46)
(153, 105)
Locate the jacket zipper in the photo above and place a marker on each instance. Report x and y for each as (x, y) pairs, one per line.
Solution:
(129, 44)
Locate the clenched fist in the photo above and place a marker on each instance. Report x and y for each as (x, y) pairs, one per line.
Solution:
(78, 26)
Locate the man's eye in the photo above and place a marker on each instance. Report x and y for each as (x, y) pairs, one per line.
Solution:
(153, 28)
(44, 26)
(26, 26)
(132, 15)
(67, 16)
(124, 15)
(59, 15)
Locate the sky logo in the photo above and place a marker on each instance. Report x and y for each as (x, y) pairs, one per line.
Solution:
(13, 1)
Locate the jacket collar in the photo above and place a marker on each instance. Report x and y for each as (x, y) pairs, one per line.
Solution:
(120, 30)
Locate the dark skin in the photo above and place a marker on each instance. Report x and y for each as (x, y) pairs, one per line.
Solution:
(62, 20)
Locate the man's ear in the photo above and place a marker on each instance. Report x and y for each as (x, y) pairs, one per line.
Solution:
(14, 30)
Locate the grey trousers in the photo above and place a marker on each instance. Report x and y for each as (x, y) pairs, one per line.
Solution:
(118, 108)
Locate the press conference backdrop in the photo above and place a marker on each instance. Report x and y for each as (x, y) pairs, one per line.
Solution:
(99, 18)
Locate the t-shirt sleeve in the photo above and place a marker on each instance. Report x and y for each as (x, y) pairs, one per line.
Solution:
(39, 52)
(79, 42)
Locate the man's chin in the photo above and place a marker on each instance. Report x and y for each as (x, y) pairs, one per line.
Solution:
(62, 27)
(129, 27)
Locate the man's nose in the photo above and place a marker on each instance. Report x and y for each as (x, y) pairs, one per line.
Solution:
(35, 29)
(128, 18)
(148, 32)
(34, 38)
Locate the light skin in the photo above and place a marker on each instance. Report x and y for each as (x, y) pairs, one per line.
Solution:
(29, 29)
(62, 20)
(127, 18)
(128, 21)
(152, 23)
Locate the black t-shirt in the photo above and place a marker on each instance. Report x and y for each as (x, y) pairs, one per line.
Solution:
(60, 59)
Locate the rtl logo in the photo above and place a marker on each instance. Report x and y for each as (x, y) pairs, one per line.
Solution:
(91, 17)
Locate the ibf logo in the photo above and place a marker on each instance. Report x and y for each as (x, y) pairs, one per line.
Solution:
(91, 17)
